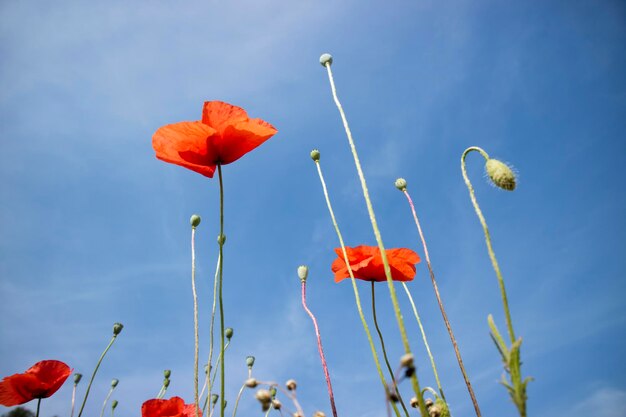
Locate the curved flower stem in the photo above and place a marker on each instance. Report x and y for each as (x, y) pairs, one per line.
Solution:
(221, 301)
(38, 405)
(430, 355)
(73, 399)
(208, 373)
(381, 246)
(382, 345)
(354, 286)
(195, 319)
(94, 373)
(443, 310)
(104, 404)
(492, 255)
(320, 350)
(238, 398)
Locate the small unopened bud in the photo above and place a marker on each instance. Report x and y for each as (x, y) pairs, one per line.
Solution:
(207, 368)
(117, 328)
(251, 383)
(500, 174)
(434, 411)
(225, 404)
(228, 332)
(167, 373)
(401, 184)
(214, 398)
(408, 372)
(221, 239)
(195, 220)
(315, 155)
(291, 384)
(277, 404)
(250, 361)
(414, 402)
(393, 396)
(303, 272)
(114, 382)
(326, 59)
(166, 382)
(263, 396)
(319, 414)
(273, 391)
(439, 409)
(114, 404)
(77, 378)
(428, 403)
(407, 360)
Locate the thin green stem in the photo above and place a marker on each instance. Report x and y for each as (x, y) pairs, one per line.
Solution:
(215, 281)
(238, 398)
(382, 345)
(441, 308)
(73, 400)
(354, 286)
(106, 399)
(195, 319)
(94, 374)
(221, 301)
(38, 405)
(381, 246)
(430, 355)
(492, 255)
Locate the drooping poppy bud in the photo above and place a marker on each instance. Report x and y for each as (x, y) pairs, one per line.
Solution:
(251, 383)
(77, 378)
(114, 404)
(291, 384)
(500, 174)
(214, 398)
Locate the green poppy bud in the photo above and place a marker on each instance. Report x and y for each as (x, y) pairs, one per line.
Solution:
(315, 155)
(228, 332)
(250, 361)
(117, 328)
(326, 59)
(214, 398)
(195, 220)
(114, 382)
(303, 272)
(500, 174)
(167, 373)
(401, 184)
(77, 378)
(221, 239)
(166, 382)
(114, 404)
(273, 391)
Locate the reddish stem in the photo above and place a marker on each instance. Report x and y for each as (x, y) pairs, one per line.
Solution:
(320, 349)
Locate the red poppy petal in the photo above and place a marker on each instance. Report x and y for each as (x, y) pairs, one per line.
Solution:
(52, 374)
(190, 411)
(219, 115)
(186, 144)
(12, 390)
(240, 138)
(402, 262)
(163, 408)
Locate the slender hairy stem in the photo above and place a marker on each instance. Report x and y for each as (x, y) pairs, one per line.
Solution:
(94, 374)
(217, 365)
(238, 397)
(492, 255)
(195, 320)
(430, 355)
(73, 400)
(443, 310)
(221, 301)
(320, 350)
(382, 345)
(381, 246)
(38, 405)
(208, 373)
(357, 298)
(104, 404)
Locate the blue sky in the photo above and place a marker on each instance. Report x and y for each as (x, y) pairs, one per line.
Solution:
(94, 229)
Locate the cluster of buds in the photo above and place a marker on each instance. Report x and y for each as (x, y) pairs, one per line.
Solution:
(166, 381)
(437, 408)
(265, 398)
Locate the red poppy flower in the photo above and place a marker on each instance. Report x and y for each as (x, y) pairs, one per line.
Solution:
(174, 407)
(367, 264)
(40, 381)
(224, 135)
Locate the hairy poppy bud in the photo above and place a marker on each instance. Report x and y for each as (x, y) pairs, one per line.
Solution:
(401, 184)
(195, 220)
(114, 404)
(407, 360)
(117, 328)
(228, 332)
(221, 239)
(319, 414)
(500, 174)
(263, 396)
(77, 378)
(114, 382)
(214, 398)
(166, 382)
(291, 384)
(276, 404)
(167, 373)
(303, 272)
(251, 383)
(414, 402)
(428, 403)
(326, 59)
(315, 155)
(250, 361)
(439, 409)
